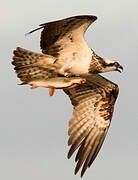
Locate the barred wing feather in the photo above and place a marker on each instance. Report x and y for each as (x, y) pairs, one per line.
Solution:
(93, 108)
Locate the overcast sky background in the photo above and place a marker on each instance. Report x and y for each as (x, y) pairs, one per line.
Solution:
(33, 126)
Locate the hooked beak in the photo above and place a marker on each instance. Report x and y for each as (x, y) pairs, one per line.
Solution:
(119, 68)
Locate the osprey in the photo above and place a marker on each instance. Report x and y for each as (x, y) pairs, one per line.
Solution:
(67, 63)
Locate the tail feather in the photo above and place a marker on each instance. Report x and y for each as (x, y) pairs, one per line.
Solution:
(27, 67)
(30, 73)
(23, 57)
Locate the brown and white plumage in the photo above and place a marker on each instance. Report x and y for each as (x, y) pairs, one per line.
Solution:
(93, 108)
(28, 65)
(65, 52)
(59, 35)
(64, 40)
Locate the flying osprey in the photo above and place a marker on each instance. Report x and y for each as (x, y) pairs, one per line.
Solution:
(66, 62)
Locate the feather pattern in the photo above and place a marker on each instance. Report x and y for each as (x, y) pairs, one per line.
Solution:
(28, 65)
(64, 40)
(93, 108)
(54, 32)
(65, 52)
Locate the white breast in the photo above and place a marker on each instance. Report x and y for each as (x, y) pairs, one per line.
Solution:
(75, 56)
(82, 61)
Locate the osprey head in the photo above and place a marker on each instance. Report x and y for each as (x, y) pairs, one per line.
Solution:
(99, 65)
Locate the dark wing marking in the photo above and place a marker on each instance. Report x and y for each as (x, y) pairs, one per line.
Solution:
(57, 30)
(93, 109)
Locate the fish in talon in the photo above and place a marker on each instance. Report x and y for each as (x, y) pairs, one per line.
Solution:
(55, 83)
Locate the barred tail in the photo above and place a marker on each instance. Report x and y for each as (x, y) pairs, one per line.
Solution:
(30, 65)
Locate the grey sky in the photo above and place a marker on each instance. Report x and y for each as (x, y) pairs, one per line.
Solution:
(33, 126)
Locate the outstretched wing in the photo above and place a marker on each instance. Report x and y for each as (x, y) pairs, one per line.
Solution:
(62, 34)
(93, 108)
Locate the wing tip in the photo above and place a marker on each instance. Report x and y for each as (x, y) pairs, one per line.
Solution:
(93, 18)
(26, 34)
(89, 16)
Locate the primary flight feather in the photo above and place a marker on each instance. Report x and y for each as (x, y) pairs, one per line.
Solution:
(93, 108)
